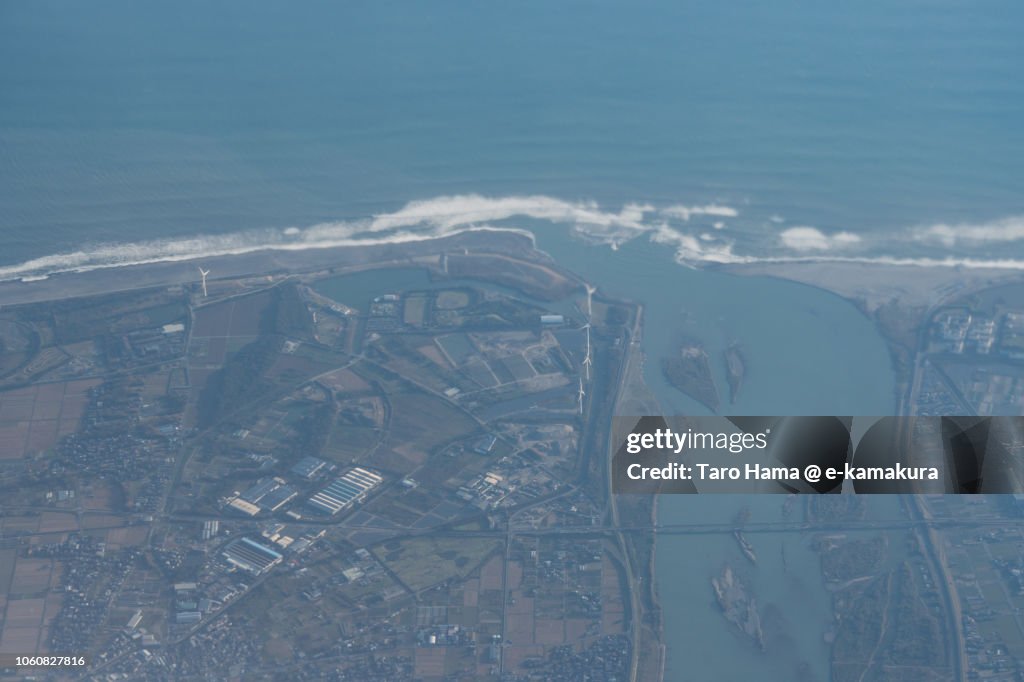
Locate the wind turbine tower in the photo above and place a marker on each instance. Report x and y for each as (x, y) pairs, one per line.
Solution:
(587, 359)
(203, 274)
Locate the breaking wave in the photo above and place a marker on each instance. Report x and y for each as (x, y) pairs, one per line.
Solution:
(699, 234)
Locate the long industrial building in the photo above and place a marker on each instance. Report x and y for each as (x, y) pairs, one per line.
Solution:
(251, 556)
(350, 488)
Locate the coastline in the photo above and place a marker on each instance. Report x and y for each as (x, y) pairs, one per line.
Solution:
(263, 263)
(872, 285)
(869, 285)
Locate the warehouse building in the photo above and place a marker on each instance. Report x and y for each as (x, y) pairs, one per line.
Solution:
(308, 467)
(352, 487)
(251, 556)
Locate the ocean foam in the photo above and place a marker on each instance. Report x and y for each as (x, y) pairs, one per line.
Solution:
(806, 238)
(1004, 230)
(671, 226)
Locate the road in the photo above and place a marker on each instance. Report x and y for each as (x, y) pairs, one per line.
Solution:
(631, 356)
(936, 550)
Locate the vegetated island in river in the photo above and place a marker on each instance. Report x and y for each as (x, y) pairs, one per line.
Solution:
(690, 372)
(735, 369)
(738, 606)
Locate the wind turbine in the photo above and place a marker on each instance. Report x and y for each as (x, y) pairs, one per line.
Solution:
(581, 394)
(203, 274)
(587, 360)
(590, 299)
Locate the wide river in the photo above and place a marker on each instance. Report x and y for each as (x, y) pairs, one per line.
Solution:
(807, 352)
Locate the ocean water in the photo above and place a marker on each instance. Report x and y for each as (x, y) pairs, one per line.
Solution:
(674, 131)
(873, 129)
